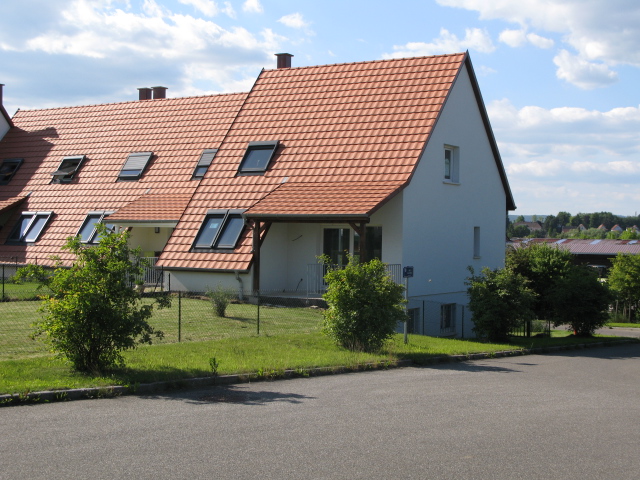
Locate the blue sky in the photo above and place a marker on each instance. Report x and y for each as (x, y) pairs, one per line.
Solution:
(560, 78)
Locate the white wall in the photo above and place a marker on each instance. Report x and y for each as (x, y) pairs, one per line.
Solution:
(4, 126)
(148, 240)
(439, 218)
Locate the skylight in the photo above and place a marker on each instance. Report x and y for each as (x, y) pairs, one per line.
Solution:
(29, 226)
(203, 164)
(257, 157)
(135, 165)
(67, 169)
(8, 168)
(87, 232)
(220, 229)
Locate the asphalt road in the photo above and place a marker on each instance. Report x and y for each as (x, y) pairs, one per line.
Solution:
(570, 415)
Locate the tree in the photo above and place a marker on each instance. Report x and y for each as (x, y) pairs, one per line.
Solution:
(365, 305)
(94, 313)
(581, 301)
(500, 301)
(542, 265)
(624, 281)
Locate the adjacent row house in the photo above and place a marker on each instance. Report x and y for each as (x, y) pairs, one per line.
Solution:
(393, 159)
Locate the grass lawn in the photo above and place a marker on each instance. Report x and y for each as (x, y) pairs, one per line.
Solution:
(262, 355)
(623, 325)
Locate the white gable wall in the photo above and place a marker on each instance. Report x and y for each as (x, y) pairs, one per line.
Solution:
(4, 126)
(439, 218)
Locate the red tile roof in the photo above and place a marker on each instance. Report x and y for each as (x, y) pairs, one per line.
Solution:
(152, 208)
(175, 130)
(588, 246)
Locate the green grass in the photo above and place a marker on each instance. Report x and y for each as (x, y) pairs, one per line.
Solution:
(623, 325)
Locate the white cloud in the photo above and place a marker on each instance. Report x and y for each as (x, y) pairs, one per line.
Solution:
(206, 7)
(252, 6)
(474, 39)
(540, 42)
(513, 38)
(293, 20)
(583, 74)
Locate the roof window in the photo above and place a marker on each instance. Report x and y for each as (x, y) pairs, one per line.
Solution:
(257, 157)
(67, 169)
(8, 168)
(205, 161)
(29, 227)
(135, 165)
(220, 229)
(87, 232)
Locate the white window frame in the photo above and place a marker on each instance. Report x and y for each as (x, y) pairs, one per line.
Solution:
(451, 156)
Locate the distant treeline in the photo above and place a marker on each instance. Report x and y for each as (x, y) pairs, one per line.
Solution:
(553, 225)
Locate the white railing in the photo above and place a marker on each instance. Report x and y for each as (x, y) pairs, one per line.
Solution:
(316, 272)
(151, 274)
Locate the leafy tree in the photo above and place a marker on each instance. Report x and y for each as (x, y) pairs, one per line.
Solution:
(500, 301)
(580, 300)
(521, 231)
(629, 234)
(365, 305)
(624, 281)
(94, 313)
(563, 219)
(519, 218)
(542, 265)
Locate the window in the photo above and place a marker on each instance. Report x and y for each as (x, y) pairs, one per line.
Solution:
(135, 165)
(476, 242)
(67, 169)
(203, 164)
(87, 232)
(29, 227)
(220, 229)
(8, 168)
(448, 318)
(257, 157)
(373, 243)
(451, 164)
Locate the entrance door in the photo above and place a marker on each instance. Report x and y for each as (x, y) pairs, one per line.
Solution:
(336, 245)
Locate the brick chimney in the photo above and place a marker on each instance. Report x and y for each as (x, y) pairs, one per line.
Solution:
(144, 93)
(159, 92)
(284, 60)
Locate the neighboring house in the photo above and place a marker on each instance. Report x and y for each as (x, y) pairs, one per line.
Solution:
(597, 253)
(392, 159)
(532, 226)
(5, 119)
(617, 228)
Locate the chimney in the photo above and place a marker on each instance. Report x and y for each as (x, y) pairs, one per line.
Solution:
(284, 60)
(144, 93)
(159, 92)
(1, 85)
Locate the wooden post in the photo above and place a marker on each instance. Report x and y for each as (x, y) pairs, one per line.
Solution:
(256, 256)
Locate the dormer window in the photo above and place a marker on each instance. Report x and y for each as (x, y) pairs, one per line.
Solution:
(67, 169)
(135, 165)
(205, 161)
(221, 229)
(29, 227)
(8, 168)
(87, 232)
(257, 157)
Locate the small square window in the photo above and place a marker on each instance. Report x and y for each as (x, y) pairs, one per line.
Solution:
(257, 157)
(205, 161)
(8, 168)
(135, 165)
(67, 169)
(29, 227)
(87, 232)
(220, 229)
(451, 164)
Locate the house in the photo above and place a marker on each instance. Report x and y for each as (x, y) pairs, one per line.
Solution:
(393, 159)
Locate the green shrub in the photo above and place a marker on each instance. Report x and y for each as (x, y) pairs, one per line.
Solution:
(500, 301)
(365, 305)
(220, 299)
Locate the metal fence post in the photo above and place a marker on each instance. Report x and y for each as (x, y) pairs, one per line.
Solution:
(258, 322)
(179, 316)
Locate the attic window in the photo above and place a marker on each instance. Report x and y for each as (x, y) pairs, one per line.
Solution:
(203, 164)
(135, 165)
(87, 232)
(220, 229)
(8, 168)
(257, 157)
(29, 226)
(67, 169)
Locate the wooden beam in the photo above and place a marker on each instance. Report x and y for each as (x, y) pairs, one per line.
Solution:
(256, 256)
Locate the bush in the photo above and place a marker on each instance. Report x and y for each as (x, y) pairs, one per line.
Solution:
(365, 305)
(500, 301)
(94, 313)
(220, 299)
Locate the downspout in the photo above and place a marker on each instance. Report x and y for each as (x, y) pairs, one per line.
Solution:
(241, 291)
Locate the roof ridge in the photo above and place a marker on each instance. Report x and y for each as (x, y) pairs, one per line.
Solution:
(382, 60)
(145, 102)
